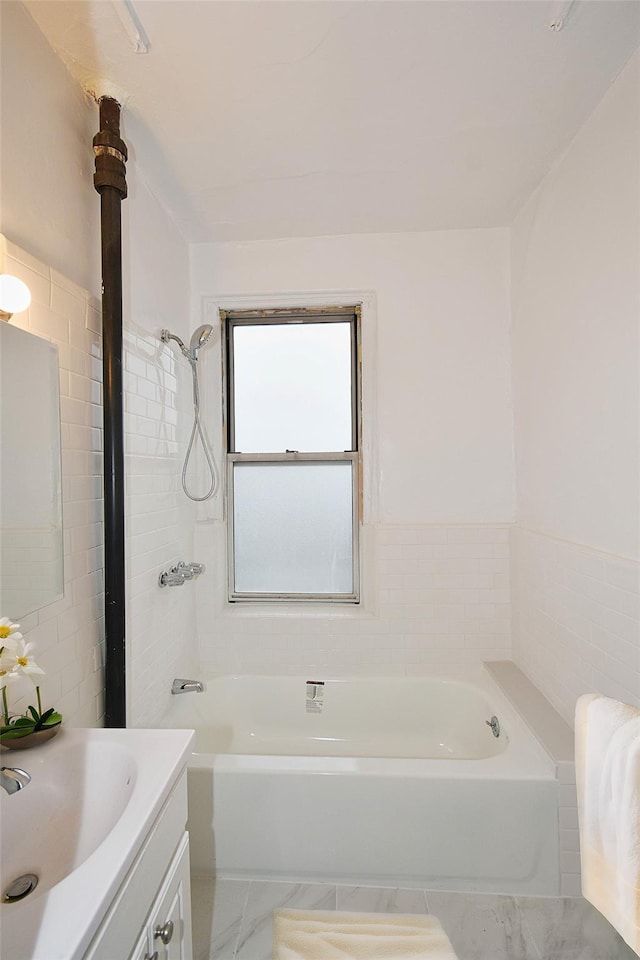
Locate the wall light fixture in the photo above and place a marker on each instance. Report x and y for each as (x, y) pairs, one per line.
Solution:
(15, 296)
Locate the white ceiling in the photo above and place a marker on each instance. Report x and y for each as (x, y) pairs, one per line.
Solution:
(255, 120)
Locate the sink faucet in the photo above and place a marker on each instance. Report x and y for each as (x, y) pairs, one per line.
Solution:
(13, 779)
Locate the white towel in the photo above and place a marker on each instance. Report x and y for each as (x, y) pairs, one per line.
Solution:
(327, 935)
(608, 780)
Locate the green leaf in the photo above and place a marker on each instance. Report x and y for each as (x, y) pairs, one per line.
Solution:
(21, 722)
(53, 720)
(43, 718)
(24, 725)
(15, 732)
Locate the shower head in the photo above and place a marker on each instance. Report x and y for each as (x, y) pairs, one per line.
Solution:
(199, 338)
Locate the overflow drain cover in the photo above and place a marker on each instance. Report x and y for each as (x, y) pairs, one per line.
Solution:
(21, 888)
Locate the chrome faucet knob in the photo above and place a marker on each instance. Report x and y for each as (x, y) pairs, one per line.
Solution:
(171, 578)
(177, 575)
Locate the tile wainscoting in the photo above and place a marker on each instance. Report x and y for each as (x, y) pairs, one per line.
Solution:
(576, 620)
(438, 596)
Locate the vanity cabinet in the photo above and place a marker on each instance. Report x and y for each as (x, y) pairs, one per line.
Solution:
(167, 934)
(111, 849)
(150, 917)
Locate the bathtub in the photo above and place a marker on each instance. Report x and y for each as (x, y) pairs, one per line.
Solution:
(382, 781)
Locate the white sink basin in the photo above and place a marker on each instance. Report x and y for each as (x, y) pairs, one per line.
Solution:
(76, 796)
(78, 825)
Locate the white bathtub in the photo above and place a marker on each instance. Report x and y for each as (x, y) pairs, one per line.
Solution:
(390, 781)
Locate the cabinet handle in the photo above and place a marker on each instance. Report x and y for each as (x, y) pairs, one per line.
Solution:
(165, 932)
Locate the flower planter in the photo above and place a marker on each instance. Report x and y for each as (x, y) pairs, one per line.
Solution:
(30, 739)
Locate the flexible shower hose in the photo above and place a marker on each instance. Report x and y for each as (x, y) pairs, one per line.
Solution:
(196, 431)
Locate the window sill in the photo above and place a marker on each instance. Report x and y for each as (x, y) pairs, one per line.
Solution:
(290, 610)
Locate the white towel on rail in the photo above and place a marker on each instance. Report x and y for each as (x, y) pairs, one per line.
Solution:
(327, 935)
(608, 780)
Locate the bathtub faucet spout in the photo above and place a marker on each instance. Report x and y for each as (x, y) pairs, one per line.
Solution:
(187, 686)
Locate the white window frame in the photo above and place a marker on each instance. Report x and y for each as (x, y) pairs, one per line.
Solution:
(230, 318)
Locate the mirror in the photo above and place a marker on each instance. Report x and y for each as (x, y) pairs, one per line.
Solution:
(31, 551)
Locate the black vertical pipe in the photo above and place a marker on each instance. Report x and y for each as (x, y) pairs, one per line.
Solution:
(109, 180)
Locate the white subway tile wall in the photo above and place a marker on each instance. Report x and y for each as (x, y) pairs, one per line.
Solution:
(160, 626)
(69, 634)
(576, 620)
(569, 845)
(161, 635)
(441, 597)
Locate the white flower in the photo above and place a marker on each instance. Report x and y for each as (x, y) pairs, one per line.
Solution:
(24, 662)
(7, 661)
(8, 630)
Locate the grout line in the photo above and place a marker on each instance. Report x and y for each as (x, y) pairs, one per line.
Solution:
(244, 911)
(526, 926)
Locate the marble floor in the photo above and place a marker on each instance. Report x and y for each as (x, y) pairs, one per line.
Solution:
(232, 920)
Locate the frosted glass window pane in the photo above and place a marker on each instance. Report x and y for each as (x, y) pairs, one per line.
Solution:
(292, 387)
(293, 527)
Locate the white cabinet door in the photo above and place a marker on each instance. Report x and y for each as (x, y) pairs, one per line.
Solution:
(170, 922)
(141, 949)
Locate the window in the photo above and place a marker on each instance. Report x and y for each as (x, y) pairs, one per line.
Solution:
(293, 439)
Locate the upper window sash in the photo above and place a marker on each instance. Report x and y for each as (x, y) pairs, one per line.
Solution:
(242, 318)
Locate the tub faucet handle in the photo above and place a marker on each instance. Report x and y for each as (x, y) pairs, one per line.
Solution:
(191, 569)
(185, 569)
(171, 578)
(177, 575)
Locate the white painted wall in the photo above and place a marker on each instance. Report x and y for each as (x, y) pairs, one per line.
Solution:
(444, 429)
(576, 356)
(48, 203)
(576, 337)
